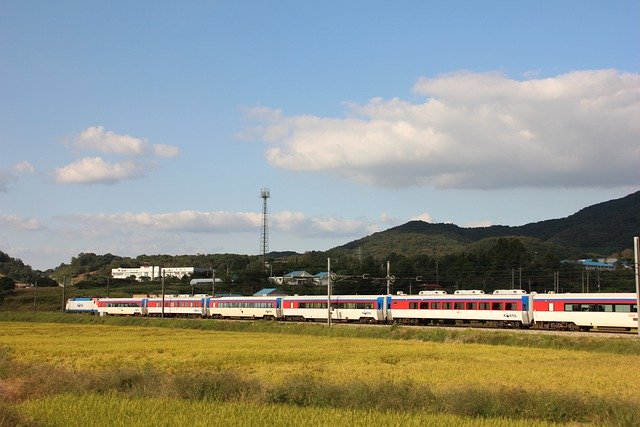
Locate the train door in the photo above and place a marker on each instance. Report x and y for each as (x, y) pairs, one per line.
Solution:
(526, 309)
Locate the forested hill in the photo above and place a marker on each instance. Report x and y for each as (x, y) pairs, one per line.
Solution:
(603, 228)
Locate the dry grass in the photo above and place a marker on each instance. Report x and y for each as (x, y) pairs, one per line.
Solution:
(113, 410)
(274, 357)
(283, 373)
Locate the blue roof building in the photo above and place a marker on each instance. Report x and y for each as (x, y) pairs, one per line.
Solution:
(269, 292)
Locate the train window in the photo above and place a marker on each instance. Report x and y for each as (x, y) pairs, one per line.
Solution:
(484, 306)
(424, 305)
(413, 305)
(605, 307)
(315, 305)
(496, 306)
(471, 306)
(568, 307)
(459, 306)
(435, 305)
(634, 308)
(510, 306)
(623, 308)
(446, 305)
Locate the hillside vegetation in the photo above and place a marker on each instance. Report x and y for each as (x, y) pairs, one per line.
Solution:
(601, 229)
(421, 255)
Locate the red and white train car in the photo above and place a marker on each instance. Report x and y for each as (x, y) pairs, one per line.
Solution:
(586, 311)
(122, 306)
(180, 305)
(262, 307)
(503, 308)
(345, 308)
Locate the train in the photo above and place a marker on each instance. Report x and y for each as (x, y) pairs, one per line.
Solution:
(509, 308)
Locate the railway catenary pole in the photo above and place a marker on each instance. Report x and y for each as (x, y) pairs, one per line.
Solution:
(388, 277)
(64, 286)
(162, 315)
(213, 283)
(329, 291)
(636, 250)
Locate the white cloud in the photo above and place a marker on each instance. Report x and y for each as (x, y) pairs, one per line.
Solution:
(426, 217)
(295, 223)
(94, 170)
(475, 131)
(19, 223)
(97, 138)
(476, 224)
(163, 150)
(24, 167)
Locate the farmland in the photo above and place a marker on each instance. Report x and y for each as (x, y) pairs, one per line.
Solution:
(301, 372)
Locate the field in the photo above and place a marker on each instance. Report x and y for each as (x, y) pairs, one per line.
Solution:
(59, 370)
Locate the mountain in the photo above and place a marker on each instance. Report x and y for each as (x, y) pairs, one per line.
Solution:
(604, 228)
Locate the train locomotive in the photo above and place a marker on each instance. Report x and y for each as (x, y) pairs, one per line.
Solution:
(501, 309)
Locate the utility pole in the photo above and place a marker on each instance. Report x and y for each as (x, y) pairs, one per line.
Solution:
(388, 277)
(329, 291)
(213, 283)
(520, 277)
(107, 286)
(35, 294)
(64, 286)
(636, 250)
(162, 295)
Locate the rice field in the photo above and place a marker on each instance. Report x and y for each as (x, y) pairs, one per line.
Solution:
(298, 376)
(118, 411)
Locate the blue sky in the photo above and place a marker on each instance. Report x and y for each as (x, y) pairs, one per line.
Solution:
(150, 127)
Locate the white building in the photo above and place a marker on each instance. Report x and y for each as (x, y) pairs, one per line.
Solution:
(152, 272)
(180, 272)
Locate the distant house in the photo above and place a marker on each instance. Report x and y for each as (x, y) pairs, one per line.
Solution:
(299, 277)
(321, 278)
(596, 265)
(269, 292)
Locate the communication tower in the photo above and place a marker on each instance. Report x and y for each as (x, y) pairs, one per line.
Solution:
(264, 236)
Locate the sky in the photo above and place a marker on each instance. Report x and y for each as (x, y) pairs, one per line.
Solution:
(150, 127)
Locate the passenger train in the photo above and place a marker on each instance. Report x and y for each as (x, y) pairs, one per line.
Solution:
(502, 308)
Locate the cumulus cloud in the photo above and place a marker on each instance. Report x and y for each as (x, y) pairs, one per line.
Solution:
(474, 131)
(97, 138)
(228, 222)
(24, 167)
(18, 223)
(92, 170)
(426, 217)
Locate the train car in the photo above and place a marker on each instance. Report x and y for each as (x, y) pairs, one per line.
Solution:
(345, 308)
(81, 305)
(586, 311)
(255, 307)
(503, 308)
(178, 305)
(122, 306)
